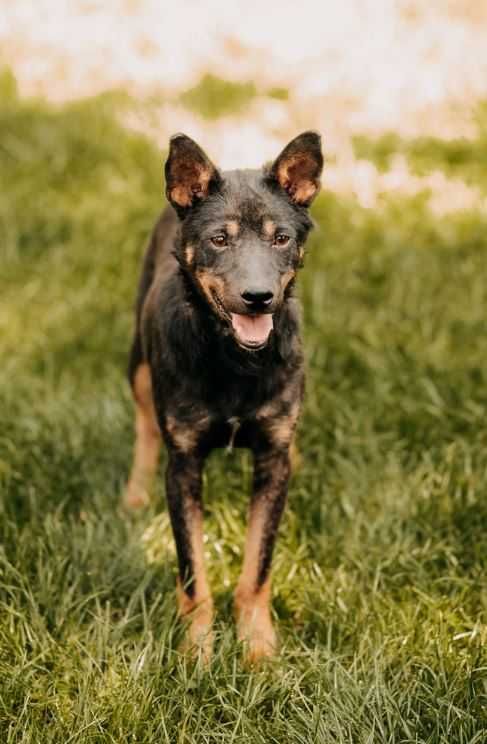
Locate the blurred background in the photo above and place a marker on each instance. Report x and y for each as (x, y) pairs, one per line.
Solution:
(243, 80)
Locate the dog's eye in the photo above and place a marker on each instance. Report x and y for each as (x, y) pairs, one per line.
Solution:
(219, 241)
(281, 239)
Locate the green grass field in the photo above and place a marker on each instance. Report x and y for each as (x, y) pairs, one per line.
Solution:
(380, 575)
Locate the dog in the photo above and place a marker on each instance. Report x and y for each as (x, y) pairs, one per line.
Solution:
(217, 360)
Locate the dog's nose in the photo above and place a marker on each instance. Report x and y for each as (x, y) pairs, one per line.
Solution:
(257, 296)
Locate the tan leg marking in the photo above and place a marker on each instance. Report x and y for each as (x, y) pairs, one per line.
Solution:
(147, 442)
(252, 604)
(185, 436)
(197, 611)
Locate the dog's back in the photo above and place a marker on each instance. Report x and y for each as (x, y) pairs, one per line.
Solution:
(159, 265)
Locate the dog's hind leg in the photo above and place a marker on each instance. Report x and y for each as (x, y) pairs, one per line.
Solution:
(147, 440)
(252, 597)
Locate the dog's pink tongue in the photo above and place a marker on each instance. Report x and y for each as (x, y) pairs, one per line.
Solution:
(252, 329)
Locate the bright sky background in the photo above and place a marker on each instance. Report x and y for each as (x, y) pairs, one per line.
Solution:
(362, 65)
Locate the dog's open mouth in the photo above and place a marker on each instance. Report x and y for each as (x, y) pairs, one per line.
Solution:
(252, 331)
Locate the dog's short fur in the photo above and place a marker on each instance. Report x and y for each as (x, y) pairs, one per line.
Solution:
(216, 358)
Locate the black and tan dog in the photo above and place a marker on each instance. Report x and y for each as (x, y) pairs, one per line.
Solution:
(217, 358)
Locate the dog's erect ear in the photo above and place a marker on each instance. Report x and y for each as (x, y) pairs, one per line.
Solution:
(298, 168)
(190, 174)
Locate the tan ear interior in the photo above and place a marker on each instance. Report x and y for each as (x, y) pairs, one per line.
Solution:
(192, 181)
(296, 176)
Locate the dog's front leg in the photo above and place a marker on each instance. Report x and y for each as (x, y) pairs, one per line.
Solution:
(183, 489)
(252, 597)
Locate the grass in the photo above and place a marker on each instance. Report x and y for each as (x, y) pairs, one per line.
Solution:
(213, 97)
(457, 157)
(379, 584)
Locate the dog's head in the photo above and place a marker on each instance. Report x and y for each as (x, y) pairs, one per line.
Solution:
(243, 232)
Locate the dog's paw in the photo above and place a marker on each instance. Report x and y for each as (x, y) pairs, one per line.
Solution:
(198, 620)
(198, 642)
(256, 631)
(135, 497)
(258, 649)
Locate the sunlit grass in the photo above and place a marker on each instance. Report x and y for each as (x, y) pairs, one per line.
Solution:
(379, 587)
